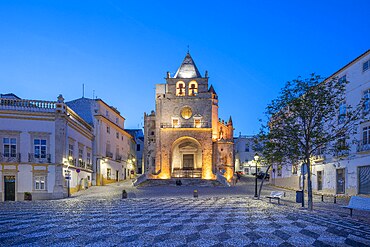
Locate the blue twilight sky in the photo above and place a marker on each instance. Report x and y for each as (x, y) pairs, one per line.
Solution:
(121, 49)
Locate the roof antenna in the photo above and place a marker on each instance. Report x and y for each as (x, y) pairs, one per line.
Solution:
(83, 90)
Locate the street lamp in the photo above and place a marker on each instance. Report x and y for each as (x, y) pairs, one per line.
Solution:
(98, 175)
(256, 158)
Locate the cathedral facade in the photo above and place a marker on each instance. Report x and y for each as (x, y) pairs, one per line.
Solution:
(184, 138)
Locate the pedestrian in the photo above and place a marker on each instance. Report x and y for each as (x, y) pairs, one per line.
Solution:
(238, 177)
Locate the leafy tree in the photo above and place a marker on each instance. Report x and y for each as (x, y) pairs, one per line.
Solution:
(308, 116)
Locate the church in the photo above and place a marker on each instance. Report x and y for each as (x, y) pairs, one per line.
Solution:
(184, 137)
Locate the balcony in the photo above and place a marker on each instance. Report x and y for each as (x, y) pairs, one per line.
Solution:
(27, 105)
(186, 125)
(363, 146)
(37, 158)
(109, 155)
(118, 157)
(319, 157)
(11, 158)
(179, 173)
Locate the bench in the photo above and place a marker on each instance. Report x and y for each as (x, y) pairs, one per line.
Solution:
(276, 195)
(358, 203)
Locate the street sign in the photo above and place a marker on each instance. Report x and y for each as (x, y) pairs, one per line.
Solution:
(304, 169)
(68, 178)
(78, 170)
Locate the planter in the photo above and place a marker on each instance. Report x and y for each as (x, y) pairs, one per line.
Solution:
(27, 196)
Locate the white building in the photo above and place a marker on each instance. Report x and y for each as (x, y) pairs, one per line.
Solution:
(114, 148)
(244, 152)
(348, 172)
(139, 140)
(42, 144)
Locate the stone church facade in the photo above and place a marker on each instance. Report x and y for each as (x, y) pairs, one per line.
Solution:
(184, 138)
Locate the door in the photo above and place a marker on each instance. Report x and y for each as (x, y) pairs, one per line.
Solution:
(9, 188)
(341, 182)
(319, 180)
(364, 180)
(117, 174)
(188, 161)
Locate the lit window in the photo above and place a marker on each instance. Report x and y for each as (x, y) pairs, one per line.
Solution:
(40, 182)
(70, 151)
(193, 88)
(109, 173)
(186, 112)
(180, 88)
(175, 123)
(197, 123)
(39, 147)
(366, 65)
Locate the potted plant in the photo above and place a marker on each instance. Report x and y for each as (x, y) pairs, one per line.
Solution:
(27, 196)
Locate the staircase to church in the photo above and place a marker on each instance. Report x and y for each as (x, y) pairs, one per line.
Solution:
(184, 182)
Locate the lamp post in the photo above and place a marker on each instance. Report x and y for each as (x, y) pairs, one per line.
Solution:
(98, 175)
(256, 157)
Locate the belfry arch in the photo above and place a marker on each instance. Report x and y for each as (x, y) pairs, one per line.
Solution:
(186, 158)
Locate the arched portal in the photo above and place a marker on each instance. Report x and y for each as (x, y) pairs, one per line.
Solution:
(186, 160)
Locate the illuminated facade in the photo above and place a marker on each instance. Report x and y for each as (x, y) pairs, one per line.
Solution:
(184, 138)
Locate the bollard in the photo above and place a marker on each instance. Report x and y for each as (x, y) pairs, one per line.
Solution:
(195, 193)
(124, 194)
(335, 199)
(322, 198)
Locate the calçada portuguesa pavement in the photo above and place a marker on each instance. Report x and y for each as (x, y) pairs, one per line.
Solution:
(171, 216)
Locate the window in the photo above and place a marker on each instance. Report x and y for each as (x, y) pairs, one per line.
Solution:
(279, 170)
(137, 147)
(116, 120)
(107, 113)
(175, 123)
(40, 183)
(366, 135)
(10, 147)
(88, 158)
(70, 151)
(117, 135)
(294, 169)
(186, 112)
(109, 173)
(193, 88)
(39, 147)
(108, 129)
(197, 123)
(366, 101)
(80, 155)
(180, 88)
(247, 147)
(365, 65)
(342, 112)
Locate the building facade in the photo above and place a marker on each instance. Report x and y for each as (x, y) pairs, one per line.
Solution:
(138, 136)
(46, 149)
(347, 172)
(113, 148)
(184, 138)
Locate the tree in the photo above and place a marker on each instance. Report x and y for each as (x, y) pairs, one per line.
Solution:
(309, 116)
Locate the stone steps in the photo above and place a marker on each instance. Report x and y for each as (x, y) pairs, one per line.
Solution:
(184, 181)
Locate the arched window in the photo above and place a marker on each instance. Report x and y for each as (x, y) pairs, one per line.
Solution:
(180, 88)
(193, 88)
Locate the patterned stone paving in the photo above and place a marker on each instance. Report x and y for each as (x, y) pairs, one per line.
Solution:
(232, 221)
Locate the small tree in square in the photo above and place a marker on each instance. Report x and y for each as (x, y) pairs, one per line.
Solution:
(309, 116)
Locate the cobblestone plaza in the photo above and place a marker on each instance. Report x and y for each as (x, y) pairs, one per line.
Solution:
(101, 218)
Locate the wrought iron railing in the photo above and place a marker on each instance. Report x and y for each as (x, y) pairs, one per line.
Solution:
(197, 173)
(186, 125)
(38, 158)
(10, 157)
(363, 145)
(109, 154)
(118, 157)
